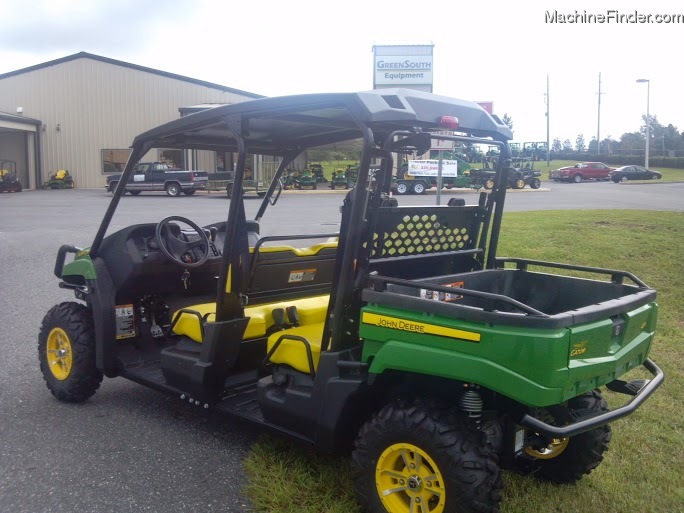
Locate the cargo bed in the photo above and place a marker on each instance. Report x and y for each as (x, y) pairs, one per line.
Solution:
(516, 297)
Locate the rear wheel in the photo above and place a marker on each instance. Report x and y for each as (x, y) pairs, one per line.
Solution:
(419, 457)
(173, 189)
(135, 193)
(189, 192)
(66, 351)
(566, 460)
(519, 184)
(489, 184)
(418, 188)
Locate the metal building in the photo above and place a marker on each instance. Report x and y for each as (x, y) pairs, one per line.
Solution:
(81, 113)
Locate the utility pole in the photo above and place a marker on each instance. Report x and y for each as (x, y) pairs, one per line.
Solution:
(548, 132)
(598, 128)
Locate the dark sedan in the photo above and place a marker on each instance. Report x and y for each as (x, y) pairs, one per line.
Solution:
(622, 174)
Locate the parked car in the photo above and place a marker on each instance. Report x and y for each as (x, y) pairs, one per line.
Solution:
(624, 173)
(581, 171)
(159, 176)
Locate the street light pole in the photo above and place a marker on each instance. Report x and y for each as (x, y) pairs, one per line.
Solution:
(648, 116)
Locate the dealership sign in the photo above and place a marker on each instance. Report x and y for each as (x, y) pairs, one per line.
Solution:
(431, 168)
(402, 70)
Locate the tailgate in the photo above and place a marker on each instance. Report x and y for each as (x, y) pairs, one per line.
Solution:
(601, 351)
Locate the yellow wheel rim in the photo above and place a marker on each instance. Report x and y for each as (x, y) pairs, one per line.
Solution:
(409, 481)
(59, 353)
(554, 449)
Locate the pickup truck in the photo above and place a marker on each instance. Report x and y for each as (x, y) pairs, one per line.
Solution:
(159, 176)
(581, 171)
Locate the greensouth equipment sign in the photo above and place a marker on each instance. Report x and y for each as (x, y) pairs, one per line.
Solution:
(401, 70)
(402, 66)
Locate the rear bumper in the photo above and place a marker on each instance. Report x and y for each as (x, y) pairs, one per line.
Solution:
(588, 424)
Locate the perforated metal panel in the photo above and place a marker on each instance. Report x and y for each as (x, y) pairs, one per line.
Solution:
(408, 231)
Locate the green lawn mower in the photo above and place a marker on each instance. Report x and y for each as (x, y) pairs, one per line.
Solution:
(306, 180)
(339, 179)
(60, 179)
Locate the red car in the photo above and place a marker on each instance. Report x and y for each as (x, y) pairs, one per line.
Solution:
(581, 171)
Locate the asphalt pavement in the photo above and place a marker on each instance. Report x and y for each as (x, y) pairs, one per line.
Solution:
(130, 449)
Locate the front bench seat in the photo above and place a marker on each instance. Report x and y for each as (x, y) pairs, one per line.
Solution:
(311, 310)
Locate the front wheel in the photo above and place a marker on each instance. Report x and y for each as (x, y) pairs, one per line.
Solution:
(489, 184)
(402, 188)
(414, 456)
(535, 183)
(577, 178)
(135, 193)
(566, 460)
(66, 351)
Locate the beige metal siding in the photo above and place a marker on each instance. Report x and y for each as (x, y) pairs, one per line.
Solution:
(88, 105)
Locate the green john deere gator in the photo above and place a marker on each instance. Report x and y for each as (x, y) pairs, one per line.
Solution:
(404, 339)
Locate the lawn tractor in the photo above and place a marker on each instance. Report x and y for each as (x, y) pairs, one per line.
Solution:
(60, 179)
(339, 179)
(317, 170)
(306, 180)
(8, 177)
(404, 339)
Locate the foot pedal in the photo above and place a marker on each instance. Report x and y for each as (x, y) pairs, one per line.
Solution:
(293, 316)
(632, 387)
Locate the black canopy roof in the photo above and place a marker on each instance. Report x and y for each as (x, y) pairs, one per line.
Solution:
(275, 126)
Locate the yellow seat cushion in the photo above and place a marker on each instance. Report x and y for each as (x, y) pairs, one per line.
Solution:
(293, 352)
(300, 252)
(311, 310)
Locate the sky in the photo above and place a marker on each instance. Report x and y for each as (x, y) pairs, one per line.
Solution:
(483, 51)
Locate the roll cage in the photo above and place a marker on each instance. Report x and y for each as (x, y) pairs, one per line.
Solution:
(393, 121)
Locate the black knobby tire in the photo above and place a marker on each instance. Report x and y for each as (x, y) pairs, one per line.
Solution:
(83, 379)
(584, 452)
(469, 467)
(535, 183)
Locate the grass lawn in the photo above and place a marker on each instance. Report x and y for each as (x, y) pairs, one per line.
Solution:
(644, 469)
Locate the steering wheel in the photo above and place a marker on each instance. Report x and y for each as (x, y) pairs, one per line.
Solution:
(176, 248)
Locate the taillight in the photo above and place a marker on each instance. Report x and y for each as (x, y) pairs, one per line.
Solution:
(449, 122)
